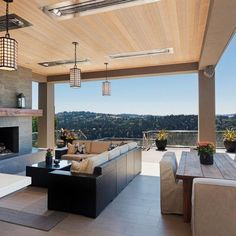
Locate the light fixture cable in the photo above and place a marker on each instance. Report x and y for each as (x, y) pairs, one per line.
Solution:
(7, 20)
(106, 69)
(75, 43)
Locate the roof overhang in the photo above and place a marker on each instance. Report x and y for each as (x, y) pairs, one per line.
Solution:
(198, 31)
(220, 29)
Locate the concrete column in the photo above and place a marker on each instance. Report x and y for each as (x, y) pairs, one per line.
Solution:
(46, 129)
(206, 106)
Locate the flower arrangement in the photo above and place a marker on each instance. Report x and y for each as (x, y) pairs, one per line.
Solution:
(67, 135)
(162, 135)
(206, 148)
(71, 135)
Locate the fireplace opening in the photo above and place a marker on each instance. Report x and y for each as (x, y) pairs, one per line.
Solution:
(9, 141)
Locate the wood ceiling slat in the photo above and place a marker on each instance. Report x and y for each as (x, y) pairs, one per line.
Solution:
(167, 23)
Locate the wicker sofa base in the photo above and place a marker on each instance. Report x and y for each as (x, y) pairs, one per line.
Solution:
(89, 194)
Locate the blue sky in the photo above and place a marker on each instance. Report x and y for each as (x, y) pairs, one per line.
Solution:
(161, 95)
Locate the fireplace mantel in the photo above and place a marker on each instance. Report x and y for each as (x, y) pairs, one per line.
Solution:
(19, 112)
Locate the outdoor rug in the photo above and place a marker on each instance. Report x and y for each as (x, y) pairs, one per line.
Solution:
(40, 222)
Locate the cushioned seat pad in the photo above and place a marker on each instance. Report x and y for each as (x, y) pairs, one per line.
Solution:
(76, 157)
(11, 183)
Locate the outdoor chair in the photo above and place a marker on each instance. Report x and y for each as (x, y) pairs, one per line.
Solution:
(171, 189)
(213, 207)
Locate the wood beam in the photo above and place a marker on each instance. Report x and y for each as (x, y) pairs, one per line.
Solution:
(130, 72)
(219, 31)
(8, 112)
(38, 78)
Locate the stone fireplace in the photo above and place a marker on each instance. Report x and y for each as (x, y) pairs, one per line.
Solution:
(16, 124)
(15, 129)
(9, 141)
(16, 134)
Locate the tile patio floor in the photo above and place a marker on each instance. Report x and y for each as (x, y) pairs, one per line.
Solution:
(135, 212)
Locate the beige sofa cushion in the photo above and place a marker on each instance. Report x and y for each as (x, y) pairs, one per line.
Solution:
(124, 148)
(114, 153)
(99, 147)
(96, 161)
(11, 183)
(132, 145)
(76, 157)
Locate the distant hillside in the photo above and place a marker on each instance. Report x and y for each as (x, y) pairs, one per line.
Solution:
(99, 125)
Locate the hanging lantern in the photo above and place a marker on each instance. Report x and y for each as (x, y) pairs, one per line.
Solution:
(8, 47)
(75, 73)
(106, 85)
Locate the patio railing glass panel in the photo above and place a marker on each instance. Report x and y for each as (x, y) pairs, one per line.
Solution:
(182, 138)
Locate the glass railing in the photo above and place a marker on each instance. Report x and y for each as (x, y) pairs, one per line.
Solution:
(176, 138)
(182, 138)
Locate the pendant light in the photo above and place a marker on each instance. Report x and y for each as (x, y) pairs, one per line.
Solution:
(8, 47)
(75, 73)
(106, 85)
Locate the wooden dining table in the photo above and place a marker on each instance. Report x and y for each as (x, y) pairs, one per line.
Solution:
(189, 168)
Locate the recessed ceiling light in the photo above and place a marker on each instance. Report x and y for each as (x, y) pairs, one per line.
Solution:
(155, 52)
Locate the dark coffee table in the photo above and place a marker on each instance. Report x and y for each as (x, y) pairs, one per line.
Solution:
(39, 172)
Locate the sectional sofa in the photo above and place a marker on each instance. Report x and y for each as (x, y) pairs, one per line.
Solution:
(92, 148)
(89, 193)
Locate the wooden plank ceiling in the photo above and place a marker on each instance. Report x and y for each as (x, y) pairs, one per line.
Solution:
(177, 24)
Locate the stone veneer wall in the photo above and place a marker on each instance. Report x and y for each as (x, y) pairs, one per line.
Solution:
(12, 83)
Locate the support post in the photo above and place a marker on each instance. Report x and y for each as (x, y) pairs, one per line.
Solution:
(46, 129)
(206, 113)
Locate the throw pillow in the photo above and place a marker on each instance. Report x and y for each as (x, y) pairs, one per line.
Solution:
(82, 149)
(72, 149)
(112, 146)
(75, 166)
(79, 167)
(84, 165)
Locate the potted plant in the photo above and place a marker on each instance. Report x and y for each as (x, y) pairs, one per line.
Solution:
(206, 151)
(161, 140)
(48, 157)
(230, 140)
